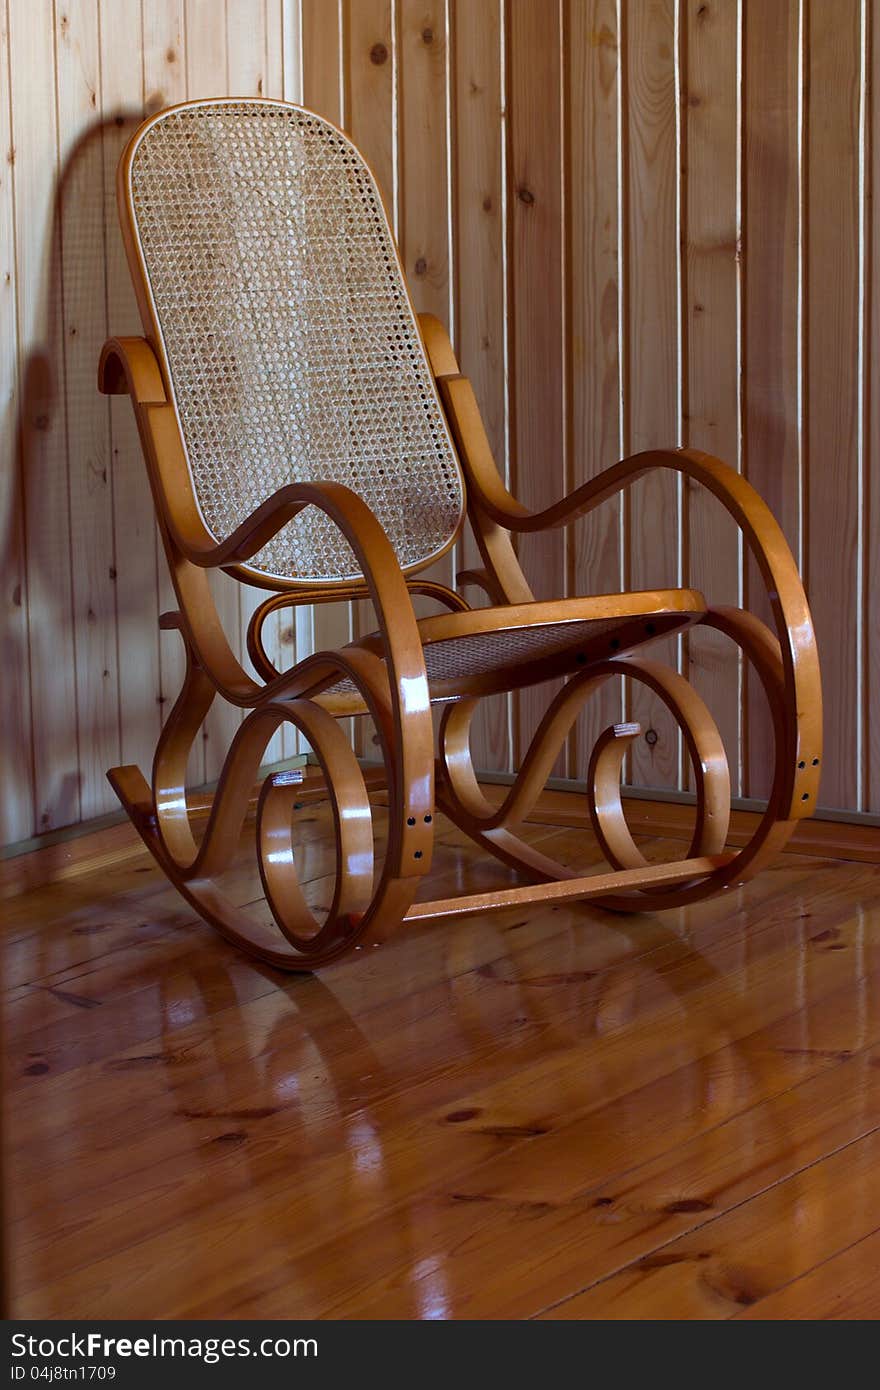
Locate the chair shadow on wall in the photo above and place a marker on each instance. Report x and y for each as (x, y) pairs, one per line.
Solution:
(79, 471)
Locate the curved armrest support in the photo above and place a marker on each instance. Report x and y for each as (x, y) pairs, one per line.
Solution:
(128, 366)
(802, 716)
(254, 532)
(376, 557)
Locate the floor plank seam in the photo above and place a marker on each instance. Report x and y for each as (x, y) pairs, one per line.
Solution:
(805, 1273)
(709, 1221)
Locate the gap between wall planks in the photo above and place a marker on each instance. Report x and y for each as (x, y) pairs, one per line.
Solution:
(699, 264)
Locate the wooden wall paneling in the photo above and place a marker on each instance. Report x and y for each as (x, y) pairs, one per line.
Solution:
(424, 208)
(291, 48)
(247, 48)
(296, 630)
(134, 529)
(370, 121)
(424, 49)
(16, 769)
(535, 200)
(872, 370)
(208, 74)
(592, 98)
(369, 65)
(425, 55)
(627, 315)
(711, 308)
(164, 53)
(42, 414)
(479, 207)
(832, 387)
(323, 46)
(83, 261)
(771, 453)
(286, 741)
(284, 79)
(651, 271)
(322, 58)
(273, 35)
(164, 63)
(246, 55)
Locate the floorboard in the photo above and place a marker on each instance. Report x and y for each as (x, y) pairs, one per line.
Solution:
(555, 1113)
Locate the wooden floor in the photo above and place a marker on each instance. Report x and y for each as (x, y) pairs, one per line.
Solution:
(555, 1113)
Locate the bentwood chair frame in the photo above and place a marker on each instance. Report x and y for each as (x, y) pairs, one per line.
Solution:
(396, 673)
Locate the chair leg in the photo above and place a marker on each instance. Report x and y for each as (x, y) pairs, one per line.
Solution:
(365, 907)
(495, 828)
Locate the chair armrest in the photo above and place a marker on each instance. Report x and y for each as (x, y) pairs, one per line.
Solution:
(801, 691)
(378, 561)
(128, 366)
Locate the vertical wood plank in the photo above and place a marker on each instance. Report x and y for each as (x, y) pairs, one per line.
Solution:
(771, 433)
(208, 61)
(245, 49)
(42, 415)
(424, 47)
(321, 58)
(274, 40)
(370, 121)
(16, 771)
(369, 64)
(832, 385)
(291, 41)
(164, 55)
(479, 288)
(479, 137)
(872, 471)
(136, 578)
(323, 44)
(83, 258)
(711, 309)
(164, 62)
(283, 80)
(423, 222)
(247, 44)
(652, 342)
(535, 200)
(594, 288)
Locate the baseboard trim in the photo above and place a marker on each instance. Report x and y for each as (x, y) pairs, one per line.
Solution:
(666, 795)
(75, 849)
(65, 833)
(673, 820)
(827, 834)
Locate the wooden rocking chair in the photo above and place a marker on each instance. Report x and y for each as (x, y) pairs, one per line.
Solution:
(307, 433)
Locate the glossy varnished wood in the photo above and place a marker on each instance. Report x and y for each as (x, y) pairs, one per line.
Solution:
(385, 674)
(549, 1112)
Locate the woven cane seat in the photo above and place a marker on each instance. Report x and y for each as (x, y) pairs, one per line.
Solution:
(287, 335)
(493, 649)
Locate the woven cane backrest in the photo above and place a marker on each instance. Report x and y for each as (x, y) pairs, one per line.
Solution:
(289, 341)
